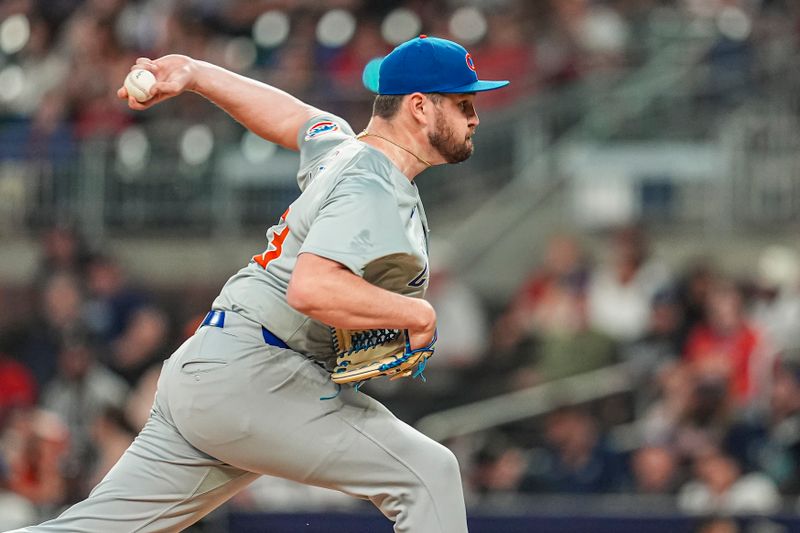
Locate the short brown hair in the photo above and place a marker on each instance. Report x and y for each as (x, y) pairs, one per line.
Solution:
(387, 105)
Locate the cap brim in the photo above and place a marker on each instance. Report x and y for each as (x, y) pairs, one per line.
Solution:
(478, 87)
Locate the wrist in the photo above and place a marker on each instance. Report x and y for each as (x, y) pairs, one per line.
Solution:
(199, 74)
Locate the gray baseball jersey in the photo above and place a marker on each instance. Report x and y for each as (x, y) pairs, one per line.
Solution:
(356, 208)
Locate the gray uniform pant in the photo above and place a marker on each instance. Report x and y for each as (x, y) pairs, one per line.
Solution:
(229, 408)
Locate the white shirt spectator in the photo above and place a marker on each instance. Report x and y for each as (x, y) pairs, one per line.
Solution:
(622, 310)
(15, 511)
(751, 494)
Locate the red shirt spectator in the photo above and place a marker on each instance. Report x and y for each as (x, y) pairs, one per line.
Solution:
(732, 351)
(726, 346)
(17, 386)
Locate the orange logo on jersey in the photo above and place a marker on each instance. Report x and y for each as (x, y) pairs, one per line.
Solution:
(275, 247)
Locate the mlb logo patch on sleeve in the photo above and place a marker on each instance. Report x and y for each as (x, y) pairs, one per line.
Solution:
(321, 128)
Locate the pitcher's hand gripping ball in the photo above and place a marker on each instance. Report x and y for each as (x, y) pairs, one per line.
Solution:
(371, 353)
(138, 83)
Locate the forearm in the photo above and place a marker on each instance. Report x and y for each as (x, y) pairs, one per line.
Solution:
(353, 303)
(330, 293)
(265, 110)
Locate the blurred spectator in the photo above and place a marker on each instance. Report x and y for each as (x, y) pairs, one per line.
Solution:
(17, 387)
(660, 345)
(140, 400)
(547, 324)
(578, 459)
(111, 434)
(462, 322)
(112, 301)
(34, 445)
(588, 37)
(726, 348)
(44, 67)
(776, 310)
(692, 292)
(98, 64)
(620, 291)
(717, 525)
(720, 487)
(603, 36)
(80, 392)
(567, 345)
(731, 58)
(656, 470)
(690, 415)
(344, 69)
(558, 51)
(507, 52)
(60, 314)
(563, 265)
(62, 251)
(771, 443)
(657, 350)
(142, 345)
(15, 511)
(294, 66)
(498, 469)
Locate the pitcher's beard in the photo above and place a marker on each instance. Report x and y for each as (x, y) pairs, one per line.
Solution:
(445, 143)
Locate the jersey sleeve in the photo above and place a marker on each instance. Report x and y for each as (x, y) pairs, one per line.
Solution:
(357, 224)
(315, 139)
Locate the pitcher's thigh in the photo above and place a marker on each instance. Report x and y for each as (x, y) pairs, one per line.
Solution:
(276, 424)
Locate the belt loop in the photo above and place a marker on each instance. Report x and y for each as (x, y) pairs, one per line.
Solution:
(215, 319)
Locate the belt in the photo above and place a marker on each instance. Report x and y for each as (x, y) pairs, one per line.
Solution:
(216, 319)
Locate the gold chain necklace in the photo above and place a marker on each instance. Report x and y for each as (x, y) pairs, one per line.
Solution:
(365, 133)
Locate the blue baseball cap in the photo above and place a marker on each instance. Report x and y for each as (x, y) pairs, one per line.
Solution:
(426, 65)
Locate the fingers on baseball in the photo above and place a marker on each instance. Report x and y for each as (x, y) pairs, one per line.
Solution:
(136, 105)
(164, 88)
(144, 62)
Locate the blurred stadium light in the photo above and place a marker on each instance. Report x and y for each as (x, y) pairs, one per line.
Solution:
(335, 28)
(271, 29)
(400, 25)
(14, 34)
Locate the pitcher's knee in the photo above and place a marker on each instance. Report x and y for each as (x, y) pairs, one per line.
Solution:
(443, 471)
(450, 468)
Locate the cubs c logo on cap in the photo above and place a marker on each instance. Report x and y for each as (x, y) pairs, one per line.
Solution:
(470, 62)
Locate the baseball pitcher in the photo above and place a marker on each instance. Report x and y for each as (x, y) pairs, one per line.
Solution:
(265, 385)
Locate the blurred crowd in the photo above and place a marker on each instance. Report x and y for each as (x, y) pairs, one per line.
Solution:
(62, 60)
(78, 51)
(712, 415)
(710, 420)
(80, 354)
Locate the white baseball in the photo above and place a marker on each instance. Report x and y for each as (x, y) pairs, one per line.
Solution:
(138, 83)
